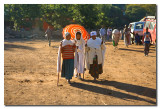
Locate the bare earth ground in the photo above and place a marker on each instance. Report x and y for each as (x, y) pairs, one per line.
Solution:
(30, 77)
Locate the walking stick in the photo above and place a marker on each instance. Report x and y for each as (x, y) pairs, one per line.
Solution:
(58, 79)
(83, 76)
(60, 60)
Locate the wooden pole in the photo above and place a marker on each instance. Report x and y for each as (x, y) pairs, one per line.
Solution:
(83, 76)
(60, 57)
(58, 79)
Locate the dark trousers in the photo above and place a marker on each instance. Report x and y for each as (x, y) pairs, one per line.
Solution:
(146, 48)
(49, 40)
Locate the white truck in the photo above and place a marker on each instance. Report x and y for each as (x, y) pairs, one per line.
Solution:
(136, 27)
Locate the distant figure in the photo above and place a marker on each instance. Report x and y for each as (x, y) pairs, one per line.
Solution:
(122, 34)
(147, 41)
(102, 33)
(98, 34)
(127, 36)
(116, 35)
(49, 35)
(137, 39)
(109, 33)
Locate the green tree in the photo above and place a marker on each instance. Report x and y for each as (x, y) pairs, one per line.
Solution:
(90, 16)
(19, 12)
(110, 16)
(135, 12)
(58, 15)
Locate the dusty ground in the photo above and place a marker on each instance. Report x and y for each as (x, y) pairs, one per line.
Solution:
(30, 77)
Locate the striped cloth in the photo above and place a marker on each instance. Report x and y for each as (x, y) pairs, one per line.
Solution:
(67, 52)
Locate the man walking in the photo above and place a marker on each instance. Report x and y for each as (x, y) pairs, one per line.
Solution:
(127, 36)
(49, 35)
(102, 33)
(147, 39)
(109, 33)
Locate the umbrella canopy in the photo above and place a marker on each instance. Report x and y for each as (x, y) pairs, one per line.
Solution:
(73, 29)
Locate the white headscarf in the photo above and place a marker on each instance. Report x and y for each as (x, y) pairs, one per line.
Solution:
(79, 42)
(80, 63)
(115, 31)
(67, 42)
(64, 43)
(93, 33)
(66, 34)
(94, 43)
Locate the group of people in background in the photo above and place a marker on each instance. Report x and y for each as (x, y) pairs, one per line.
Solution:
(103, 33)
(128, 40)
(115, 35)
(79, 55)
(146, 39)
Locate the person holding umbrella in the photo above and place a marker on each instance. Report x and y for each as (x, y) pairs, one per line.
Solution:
(73, 36)
(80, 55)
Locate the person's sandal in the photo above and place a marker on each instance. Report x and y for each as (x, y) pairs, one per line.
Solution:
(69, 82)
(79, 77)
(76, 75)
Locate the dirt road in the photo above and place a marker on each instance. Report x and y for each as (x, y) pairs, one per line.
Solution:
(30, 77)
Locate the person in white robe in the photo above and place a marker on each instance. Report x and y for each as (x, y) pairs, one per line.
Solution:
(80, 46)
(95, 52)
(116, 36)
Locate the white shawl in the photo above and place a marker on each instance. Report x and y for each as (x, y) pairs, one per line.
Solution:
(79, 65)
(116, 35)
(94, 43)
(91, 43)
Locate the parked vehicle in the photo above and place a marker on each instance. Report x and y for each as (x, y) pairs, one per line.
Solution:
(148, 18)
(132, 28)
(136, 28)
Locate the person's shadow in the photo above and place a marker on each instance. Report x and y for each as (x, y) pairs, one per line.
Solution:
(128, 87)
(140, 90)
(124, 49)
(13, 46)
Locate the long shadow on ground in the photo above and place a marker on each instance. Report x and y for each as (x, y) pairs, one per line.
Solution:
(140, 90)
(142, 47)
(11, 46)
(109, 92)
(142, 51)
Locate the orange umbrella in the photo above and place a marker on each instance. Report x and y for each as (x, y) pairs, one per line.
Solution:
(73, 29)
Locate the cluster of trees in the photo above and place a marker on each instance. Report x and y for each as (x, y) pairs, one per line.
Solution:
(91, 16)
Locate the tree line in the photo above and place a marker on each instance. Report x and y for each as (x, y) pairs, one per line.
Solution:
(91, 16)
